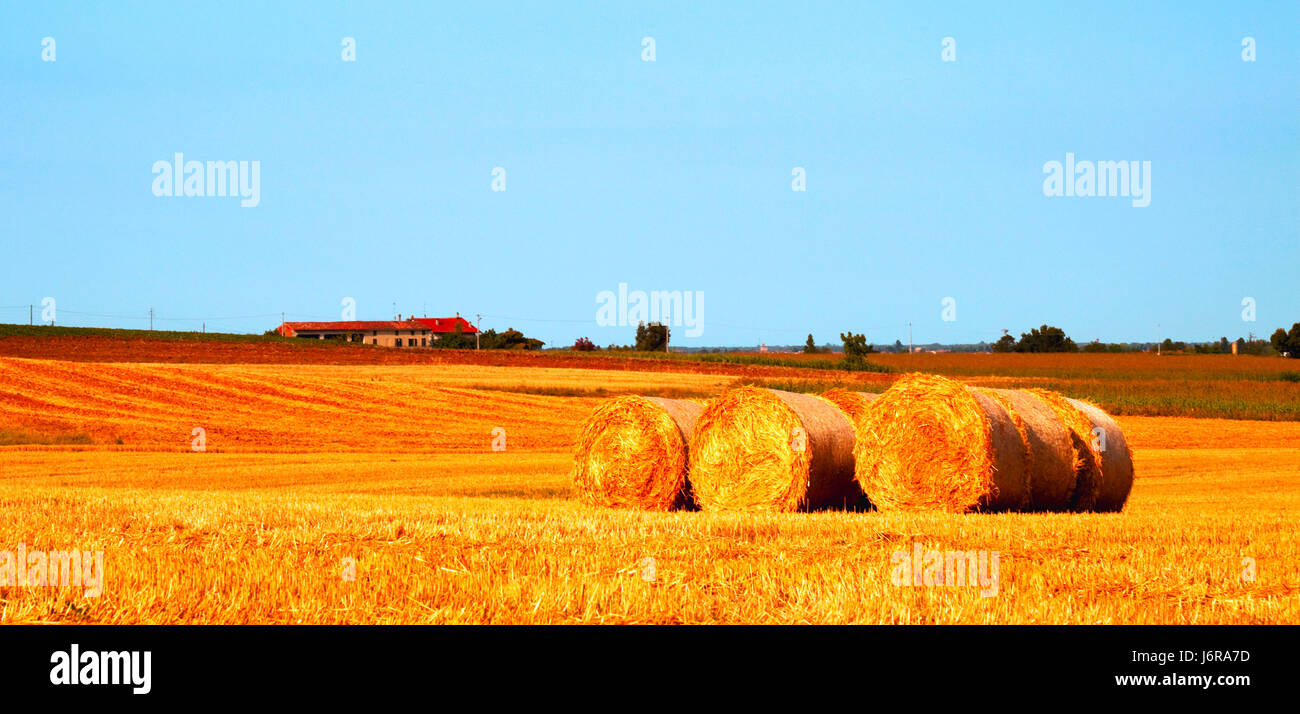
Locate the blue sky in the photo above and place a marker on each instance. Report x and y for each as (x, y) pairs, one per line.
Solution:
(924, 177)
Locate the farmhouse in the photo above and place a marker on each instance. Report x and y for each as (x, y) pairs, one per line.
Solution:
(411, 332)
(446, 325)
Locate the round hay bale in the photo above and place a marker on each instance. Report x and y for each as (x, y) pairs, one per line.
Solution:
(853, 404)
(1116, 459)
(1087, 462)
(933, 444)
(760, 449)
(1049, 453)
(632, 452)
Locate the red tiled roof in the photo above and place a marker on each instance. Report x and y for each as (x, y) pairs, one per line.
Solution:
(288, 328)
(447, 324)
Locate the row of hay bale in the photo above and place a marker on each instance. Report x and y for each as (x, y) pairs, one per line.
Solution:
(928, 443)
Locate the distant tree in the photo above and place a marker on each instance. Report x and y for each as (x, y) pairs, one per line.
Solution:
(652, 337)
(898, 346)
(810, 347)
(1286, 343)
(1095, 346)
(1225, 347)
(513, 339)
(856, 350)
(456, 340)
(1006, 343)
(1045, 339)
(582, 344)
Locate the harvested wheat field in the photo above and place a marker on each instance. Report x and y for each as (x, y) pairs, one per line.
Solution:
(395, 508)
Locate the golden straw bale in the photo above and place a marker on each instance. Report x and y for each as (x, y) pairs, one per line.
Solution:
(931, 443)
(632, 452)
(1087, 462)
(767, 450)
(853, 404)
(1116, 458)
(1049, 453)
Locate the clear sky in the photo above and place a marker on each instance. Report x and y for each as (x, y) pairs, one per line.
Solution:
(924, 178)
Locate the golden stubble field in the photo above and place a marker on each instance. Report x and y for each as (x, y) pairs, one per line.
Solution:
(393, 508)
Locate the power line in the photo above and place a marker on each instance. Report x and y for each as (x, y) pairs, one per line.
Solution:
(535, 319)
(231, 317)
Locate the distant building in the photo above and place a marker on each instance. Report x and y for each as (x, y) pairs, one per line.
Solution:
(446, 325)
(411, 332)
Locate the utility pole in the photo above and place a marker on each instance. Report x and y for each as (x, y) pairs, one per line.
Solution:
(909, 338)
(31, 314)
(282, 318)
(1157, 339)
(478, 329)
(151, 319)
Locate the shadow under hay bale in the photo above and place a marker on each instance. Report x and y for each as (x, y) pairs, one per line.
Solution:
(933, 444)
(854, 405)
(760, 449)
(633, 452)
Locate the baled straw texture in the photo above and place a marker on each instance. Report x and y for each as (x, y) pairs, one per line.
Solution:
(932, 444)
(632, 452)
(853, 404)
(760, 449)
(1116, 459)
(1049, 453)
(1087, 462)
